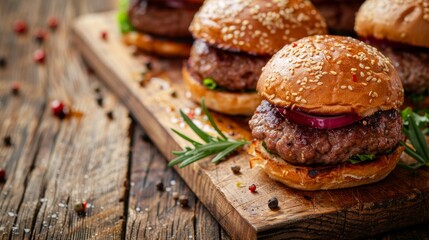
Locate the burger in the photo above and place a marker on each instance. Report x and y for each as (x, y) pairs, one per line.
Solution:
(234, 40)
(339, 14)
(330, 117)
(400, 30)
(160, 26)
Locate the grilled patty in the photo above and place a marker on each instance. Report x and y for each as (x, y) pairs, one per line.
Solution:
(412, 66)
(303, 145)
(161, 20)
(339, 14)
(234, 71)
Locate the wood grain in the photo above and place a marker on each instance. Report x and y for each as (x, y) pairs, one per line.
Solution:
(399, 200)
(54, 164)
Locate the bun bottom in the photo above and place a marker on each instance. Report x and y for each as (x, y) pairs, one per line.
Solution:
(157, 46)
(324, 177)
(231, 103)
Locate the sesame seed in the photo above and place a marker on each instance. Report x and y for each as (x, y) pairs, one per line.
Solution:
(333, 73)
(350, 87)
(343, 87)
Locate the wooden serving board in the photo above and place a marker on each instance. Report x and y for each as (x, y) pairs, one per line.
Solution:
(401, 199)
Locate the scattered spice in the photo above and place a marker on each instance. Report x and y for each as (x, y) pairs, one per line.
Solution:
(40, 35)
(173, 94)
(175, 195)
(294, 44)
(39, 56)
(240, 184)
(104, 35)
(2, 175)
(3, 62)
(183, 200)
(99, 100)
(80, 208)
(97, 90)
(110, 115)
(149, 66)
(160, 186)
(235, 169)
(252, 188)
(20, 26)
(59, 109)
(7, 141)
(53, 23)
(354, 78)
(273, 203)
(14, 88)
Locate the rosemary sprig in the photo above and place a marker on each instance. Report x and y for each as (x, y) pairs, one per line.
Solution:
(412, 128)
(220, 145)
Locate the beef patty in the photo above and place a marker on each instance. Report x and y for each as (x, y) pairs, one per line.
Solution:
(303, 145)
(234, 71)
(412, 66)
(339, 14)
(161, 20)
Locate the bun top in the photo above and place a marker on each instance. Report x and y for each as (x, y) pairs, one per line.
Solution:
(405, 21)
(256, 26)
(331, 75)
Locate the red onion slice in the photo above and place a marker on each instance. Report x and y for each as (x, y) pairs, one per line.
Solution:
(319, 122)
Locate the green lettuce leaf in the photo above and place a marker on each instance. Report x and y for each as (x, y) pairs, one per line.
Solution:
(361, 158)
(122, 17)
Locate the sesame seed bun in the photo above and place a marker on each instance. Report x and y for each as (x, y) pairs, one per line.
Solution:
(323, 177)
(405, 21)
(256, 26)
(331, 75)
(232, 103)
(161, 47)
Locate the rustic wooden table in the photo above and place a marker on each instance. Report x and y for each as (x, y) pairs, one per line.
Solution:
(53, 164)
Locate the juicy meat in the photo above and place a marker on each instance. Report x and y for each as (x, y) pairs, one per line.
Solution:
(412, 66)
(161, 20)
(302, 145)
(339, 14)
(230, 70)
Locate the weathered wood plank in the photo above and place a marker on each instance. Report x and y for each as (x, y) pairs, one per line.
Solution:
(53, 164)
(155, 214)
(361, 211)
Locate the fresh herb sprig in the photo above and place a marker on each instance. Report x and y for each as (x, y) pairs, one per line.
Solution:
(413, 126)
(220, 145)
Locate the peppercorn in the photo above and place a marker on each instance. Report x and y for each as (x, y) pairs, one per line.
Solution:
(2, 175)
(183, 200)
(80, 208)
(252, 188)
(99, 100)
(7, 140)
(104, 35)
(15, 88)
(273, 203)
(39, 56)
(53, 23)
(20, 26)
(3, 62)
(235, 169)
(110, 115)
(40, 35)
(160, 186)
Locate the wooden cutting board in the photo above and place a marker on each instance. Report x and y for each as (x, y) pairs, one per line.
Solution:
(401, 199)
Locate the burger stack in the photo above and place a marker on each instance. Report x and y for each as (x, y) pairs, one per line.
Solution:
(400, 30)
(234, 40)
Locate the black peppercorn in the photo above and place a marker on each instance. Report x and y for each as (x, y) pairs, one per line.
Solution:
(183, 200)
(7, 140)
(273, 203)
(160, 186)
(235, 169)
(110, 115)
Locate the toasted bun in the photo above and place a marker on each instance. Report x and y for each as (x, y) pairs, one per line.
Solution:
(157, 46)
(256, 26)
(323, 177)
(405, 21)
(330, 75)
(231, 103)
